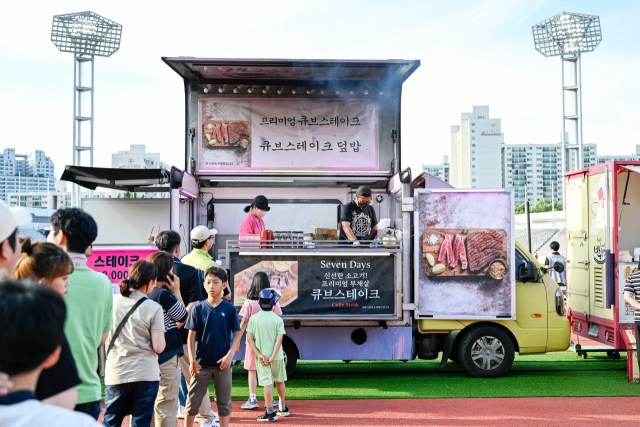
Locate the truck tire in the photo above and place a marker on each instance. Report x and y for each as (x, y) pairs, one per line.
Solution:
(486, 352)
(290, 356)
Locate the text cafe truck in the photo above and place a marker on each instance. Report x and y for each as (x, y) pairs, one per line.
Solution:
(603, 246)
(306, 134)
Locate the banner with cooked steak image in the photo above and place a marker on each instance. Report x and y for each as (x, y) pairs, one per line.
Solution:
(466, 253)
(225, 135)
(287, 134)
(283, 276)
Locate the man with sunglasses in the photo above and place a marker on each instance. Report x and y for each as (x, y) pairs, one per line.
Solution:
(358, 219)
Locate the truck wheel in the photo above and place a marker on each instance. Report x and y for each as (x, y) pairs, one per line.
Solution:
(486, 352)
(290, 357)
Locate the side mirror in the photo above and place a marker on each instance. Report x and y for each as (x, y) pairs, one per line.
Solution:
(527, 272)
(558, 267)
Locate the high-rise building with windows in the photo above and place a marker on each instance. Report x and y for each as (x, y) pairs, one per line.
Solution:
(536, 169)
(481, 159)
(439, 171)
(20, 173)
(476, 150)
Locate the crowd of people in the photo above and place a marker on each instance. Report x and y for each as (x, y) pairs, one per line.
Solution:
(168, 332)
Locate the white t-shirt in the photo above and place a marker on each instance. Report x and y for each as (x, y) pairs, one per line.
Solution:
(35, 413)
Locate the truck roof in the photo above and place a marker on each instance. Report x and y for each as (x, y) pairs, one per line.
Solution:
(379, 73)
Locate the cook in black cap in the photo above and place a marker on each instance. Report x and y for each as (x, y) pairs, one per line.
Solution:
(252, 224)
(357, 218)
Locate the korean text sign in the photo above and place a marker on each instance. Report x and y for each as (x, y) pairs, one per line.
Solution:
(288, 134)
(115, 261)
(329, 286)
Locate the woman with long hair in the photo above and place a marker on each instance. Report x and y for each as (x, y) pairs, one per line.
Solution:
(49, 265)
(250, 307)
(132, 373)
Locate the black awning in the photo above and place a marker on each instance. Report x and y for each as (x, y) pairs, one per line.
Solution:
(138, 180)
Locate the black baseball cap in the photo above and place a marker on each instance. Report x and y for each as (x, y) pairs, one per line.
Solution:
(364, 191)
(259, 202)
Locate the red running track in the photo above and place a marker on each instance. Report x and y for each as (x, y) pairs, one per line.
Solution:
(520, 412)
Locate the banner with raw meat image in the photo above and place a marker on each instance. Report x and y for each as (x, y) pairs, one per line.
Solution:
(284, 134)
(465, 254)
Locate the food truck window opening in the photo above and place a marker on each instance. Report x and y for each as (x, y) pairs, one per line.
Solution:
(359, 336)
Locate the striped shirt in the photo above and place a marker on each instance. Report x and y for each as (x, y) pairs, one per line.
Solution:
(633, 287)
(173, 312)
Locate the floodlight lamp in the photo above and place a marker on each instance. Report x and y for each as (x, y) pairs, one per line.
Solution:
(567, 33)
(86, 33)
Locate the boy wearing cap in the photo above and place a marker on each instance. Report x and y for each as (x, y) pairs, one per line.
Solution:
(264, 334)
(211, 352)
(357, 218)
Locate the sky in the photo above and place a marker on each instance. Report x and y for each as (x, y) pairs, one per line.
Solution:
(471, 53)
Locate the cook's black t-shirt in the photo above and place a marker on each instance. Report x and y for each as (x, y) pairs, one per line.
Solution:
(361, 219)
(60, 377)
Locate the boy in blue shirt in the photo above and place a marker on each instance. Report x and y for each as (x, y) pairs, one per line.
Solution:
(210, 349)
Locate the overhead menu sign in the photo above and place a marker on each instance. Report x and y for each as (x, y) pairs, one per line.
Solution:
(256, 135)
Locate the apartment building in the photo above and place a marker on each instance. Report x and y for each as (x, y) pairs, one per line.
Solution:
(441, 172)
(19, 173)
(538, 169)
(476, 150)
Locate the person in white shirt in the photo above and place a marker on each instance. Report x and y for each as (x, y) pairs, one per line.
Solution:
(32, 323)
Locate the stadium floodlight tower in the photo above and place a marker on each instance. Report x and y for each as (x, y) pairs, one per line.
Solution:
(85, 34)
(568, 35)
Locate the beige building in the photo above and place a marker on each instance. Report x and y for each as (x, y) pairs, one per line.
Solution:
(138, 158)
(476, 147)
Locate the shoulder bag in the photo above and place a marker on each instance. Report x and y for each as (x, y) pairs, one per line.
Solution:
(122, 322)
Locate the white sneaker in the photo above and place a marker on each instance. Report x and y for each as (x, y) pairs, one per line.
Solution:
(181, 412)
(250, 404)
(210, 424)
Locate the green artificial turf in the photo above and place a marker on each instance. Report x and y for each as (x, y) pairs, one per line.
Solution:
(553, 374)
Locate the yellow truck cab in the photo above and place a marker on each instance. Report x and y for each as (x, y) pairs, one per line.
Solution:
(486, 348)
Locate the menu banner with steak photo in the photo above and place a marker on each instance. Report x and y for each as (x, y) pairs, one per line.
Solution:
(321, 286)
(265, 134)
(466, 254)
